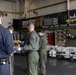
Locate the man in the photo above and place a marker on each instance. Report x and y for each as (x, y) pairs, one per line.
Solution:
(11, 58)
(15, 50)
(6, 48)
(32, 47)
(10, 29)
(42, 52)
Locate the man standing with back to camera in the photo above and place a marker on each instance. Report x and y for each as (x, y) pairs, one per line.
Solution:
(42, 52)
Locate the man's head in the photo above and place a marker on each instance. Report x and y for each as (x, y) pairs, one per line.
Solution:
(10, 28)
(40, 33)
(30, 26)
(1, 17)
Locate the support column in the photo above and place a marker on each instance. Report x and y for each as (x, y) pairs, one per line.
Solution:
(68, 9)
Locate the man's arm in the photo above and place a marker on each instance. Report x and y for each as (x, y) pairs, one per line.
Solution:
(40, 43)
(8, 44)
(31, 45)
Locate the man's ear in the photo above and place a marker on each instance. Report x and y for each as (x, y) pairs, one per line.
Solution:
(1, 19)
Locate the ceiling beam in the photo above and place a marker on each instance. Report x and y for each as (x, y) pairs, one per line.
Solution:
(48, 6)
(10, 0)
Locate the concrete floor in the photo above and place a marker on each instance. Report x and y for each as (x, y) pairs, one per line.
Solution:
(54, 66)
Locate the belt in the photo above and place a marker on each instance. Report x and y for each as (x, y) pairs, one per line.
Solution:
(3, 61)
(31, 51)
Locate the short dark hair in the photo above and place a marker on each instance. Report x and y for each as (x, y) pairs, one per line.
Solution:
(40, 31)
(30, 23)
(1, 14)
(10, 27)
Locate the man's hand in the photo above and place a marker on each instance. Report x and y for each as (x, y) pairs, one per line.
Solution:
(19, 48)
(11, 54)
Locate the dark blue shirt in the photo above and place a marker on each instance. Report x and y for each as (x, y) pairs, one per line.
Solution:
(6, 43)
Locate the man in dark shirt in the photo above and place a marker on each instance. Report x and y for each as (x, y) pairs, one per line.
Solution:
(6, 48)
